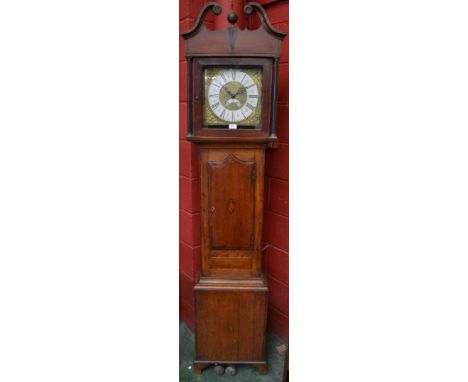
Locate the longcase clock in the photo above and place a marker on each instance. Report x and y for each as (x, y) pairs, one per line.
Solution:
(232, 91)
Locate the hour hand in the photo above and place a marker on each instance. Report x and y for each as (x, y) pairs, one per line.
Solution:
(230, 94)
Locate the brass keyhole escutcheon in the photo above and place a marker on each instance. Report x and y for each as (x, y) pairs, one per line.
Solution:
(212, 209)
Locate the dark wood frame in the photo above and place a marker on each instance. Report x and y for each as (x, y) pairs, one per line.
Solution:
(198, 66)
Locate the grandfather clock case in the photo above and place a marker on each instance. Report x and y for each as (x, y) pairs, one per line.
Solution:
(232, 91)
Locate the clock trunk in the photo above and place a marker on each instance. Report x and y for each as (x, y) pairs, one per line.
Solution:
(232, 209)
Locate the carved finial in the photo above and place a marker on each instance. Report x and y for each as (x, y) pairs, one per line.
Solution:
(232, 17)
(252, 6)
(215, 7)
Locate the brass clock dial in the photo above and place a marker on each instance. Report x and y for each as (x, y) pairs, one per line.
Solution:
(232, 96)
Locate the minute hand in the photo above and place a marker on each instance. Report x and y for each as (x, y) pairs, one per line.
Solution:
(239, 91)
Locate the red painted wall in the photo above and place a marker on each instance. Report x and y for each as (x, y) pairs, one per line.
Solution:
(276, 220)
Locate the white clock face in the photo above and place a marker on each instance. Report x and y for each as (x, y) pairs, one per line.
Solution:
(233, 95)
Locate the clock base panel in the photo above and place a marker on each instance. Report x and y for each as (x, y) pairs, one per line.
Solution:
(230, 319)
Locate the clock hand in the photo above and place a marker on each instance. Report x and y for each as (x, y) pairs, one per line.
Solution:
(239, 91)
(230, 94)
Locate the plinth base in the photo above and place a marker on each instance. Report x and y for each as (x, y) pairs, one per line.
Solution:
(230, 322)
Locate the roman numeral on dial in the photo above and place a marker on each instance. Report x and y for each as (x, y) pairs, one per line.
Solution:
(242, 95)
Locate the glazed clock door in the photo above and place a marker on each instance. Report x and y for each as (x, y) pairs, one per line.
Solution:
(232, 96)
(232, 191)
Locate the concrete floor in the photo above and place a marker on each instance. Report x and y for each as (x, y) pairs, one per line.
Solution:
(245, 373)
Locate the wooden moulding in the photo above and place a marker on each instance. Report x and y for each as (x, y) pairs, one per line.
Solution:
(212, 283)
(234, 141)
(262, 42)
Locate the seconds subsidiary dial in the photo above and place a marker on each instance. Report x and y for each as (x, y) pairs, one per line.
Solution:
(233, 95)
